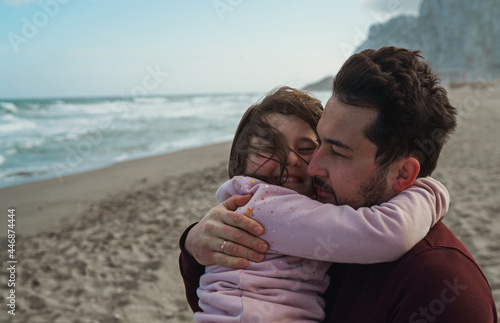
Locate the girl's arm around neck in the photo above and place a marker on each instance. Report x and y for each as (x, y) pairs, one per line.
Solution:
(296, 225)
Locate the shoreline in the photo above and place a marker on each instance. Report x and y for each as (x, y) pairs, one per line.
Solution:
(42, 205)
(95, 167)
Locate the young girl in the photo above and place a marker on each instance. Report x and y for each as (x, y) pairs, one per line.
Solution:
(273, 144)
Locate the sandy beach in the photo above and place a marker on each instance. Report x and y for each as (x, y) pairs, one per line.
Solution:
(102, 246)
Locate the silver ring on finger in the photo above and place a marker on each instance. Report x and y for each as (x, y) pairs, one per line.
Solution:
(223, 244)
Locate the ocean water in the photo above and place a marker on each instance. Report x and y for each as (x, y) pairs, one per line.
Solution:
(50, 138)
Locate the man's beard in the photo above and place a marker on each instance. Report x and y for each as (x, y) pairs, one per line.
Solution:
(370, 193)
(374, 189)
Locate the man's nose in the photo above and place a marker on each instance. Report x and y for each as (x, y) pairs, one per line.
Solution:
(315, 167)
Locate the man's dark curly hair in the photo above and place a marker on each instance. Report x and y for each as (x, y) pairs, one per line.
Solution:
(415, 117)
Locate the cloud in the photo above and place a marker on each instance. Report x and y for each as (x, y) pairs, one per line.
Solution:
(393, 7)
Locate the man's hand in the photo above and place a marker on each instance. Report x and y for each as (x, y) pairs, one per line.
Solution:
(204, 240)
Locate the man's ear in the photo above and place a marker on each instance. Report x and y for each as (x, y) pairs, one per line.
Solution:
(408, 169)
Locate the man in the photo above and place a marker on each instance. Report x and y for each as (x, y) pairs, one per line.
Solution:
(384, 125)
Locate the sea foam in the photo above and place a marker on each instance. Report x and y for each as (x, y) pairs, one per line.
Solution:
(43, 137)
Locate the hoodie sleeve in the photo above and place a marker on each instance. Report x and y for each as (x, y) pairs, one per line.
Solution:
(296, 225)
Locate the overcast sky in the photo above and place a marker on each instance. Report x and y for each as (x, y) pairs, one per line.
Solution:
(65, 48)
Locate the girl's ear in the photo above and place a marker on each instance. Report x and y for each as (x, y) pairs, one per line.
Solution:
(408, 169)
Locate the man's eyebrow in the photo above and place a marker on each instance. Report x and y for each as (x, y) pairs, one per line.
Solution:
(338, 143)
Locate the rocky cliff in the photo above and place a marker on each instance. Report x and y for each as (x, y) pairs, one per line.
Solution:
(324, 84)
(460, 38)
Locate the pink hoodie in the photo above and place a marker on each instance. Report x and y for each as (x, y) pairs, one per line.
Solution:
(304, 237)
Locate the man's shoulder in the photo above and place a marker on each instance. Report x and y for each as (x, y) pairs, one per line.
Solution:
(440, 273)
(439, 253)
(438, 277)
(439, 239)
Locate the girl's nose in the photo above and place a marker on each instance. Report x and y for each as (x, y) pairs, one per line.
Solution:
(293, 159)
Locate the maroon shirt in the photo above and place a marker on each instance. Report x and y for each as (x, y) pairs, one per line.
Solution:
(436, 281)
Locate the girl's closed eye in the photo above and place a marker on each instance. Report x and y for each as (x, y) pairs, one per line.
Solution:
(306, 146)
(306, 150)
(306, 153)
